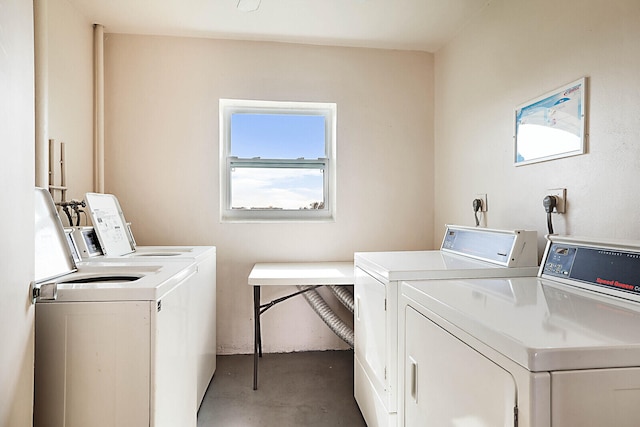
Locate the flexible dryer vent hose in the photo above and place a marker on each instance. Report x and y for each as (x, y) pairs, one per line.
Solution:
(334, 323)
(344, 295)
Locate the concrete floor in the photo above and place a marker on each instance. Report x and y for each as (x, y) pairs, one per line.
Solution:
(294, 389)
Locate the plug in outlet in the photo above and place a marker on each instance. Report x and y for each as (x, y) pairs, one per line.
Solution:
(483, 198)
(561, 199)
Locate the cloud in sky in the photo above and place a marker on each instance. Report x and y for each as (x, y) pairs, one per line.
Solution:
(275, 188)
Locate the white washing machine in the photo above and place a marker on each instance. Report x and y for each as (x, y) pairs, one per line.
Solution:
(111, 338)
(465, 252)
(112, 240)
(561, 349)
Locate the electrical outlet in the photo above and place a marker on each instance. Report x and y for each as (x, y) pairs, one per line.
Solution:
(561, 198)
(483, 197)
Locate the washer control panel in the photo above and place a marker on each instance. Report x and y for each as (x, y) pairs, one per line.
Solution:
(87, 242)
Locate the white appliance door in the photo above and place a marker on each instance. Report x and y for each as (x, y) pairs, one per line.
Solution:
(449, 384)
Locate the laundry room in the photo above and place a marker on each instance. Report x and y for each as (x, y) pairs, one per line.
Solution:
(422, 129)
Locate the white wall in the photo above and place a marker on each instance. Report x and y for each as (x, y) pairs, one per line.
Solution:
(515, 51)
(161, 160)
(17, 137)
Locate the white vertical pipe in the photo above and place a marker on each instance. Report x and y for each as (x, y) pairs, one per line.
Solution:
(98, 109)
(41, 47)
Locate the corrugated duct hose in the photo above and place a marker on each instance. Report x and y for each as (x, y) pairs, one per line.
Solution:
(335, 323)
(344, 295)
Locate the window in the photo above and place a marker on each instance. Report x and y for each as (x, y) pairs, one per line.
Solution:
(277, 160)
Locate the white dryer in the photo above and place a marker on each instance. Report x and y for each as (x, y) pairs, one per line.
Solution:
(111, 240)
(561, 349)
(465, 252)
(111, 346)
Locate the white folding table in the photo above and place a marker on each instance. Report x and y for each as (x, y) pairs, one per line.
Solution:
(312, 274)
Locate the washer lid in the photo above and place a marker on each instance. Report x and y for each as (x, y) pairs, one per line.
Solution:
(109, 224)
(53, 257)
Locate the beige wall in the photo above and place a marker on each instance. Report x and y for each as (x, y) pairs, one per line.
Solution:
(161, 160)
(70, 95)
(162, 141)
(515, 51)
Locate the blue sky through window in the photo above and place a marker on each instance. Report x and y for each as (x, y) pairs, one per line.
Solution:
(277, 136)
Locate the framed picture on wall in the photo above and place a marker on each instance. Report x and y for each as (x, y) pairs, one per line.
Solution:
(551, 126)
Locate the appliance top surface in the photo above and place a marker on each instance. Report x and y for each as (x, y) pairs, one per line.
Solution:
(541, 324)
(418, 265)
(121, 281)
(97, 281)
(465, 252)
(159, 254)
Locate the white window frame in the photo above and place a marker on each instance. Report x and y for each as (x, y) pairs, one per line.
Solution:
(228, 107)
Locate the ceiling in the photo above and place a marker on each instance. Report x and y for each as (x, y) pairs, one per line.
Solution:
(424, 25)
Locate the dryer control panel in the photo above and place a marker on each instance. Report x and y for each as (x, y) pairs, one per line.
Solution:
(602, 267)
(509, 248)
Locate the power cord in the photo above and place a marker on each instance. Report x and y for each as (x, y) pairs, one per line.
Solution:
(477, 206)
(549, 203)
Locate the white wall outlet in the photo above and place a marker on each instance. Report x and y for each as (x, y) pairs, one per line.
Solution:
(561, 199)
(483, 197)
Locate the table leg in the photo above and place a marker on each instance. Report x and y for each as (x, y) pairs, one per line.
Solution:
(259, 311)
(257, 339)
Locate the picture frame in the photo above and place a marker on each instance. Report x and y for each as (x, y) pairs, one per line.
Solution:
(551, 126)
